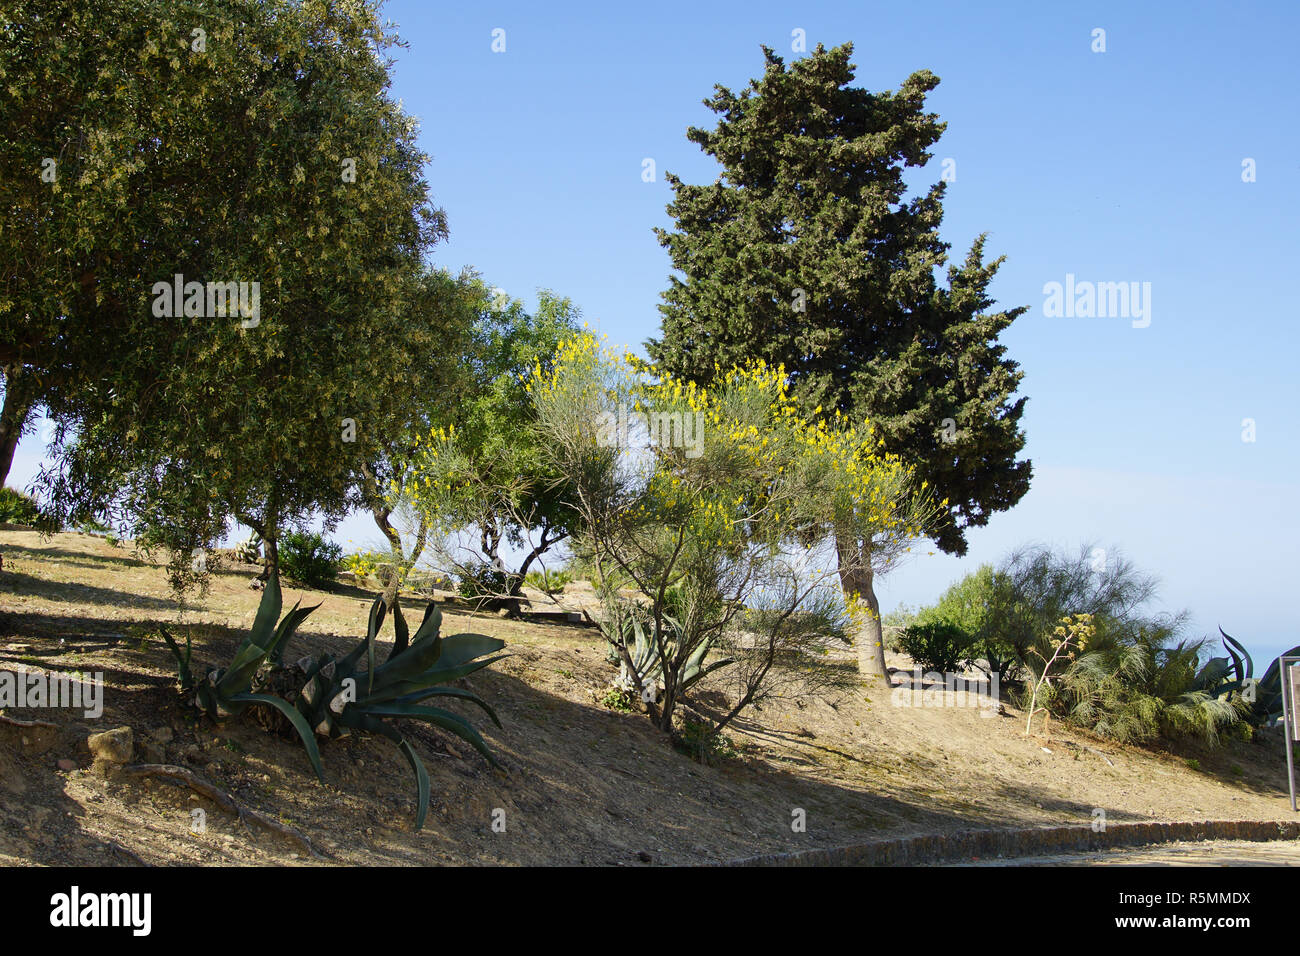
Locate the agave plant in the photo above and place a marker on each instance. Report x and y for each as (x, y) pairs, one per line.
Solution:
(339, 698)
(229, 691)
(1263, 696)
(625, 629)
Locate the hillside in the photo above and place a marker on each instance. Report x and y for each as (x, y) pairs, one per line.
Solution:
(581, 784)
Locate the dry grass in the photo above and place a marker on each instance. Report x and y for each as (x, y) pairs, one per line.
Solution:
(582, 784)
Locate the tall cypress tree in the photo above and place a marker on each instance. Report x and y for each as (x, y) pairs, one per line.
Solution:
(807, 252)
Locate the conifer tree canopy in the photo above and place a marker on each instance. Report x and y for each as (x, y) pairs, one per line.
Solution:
(808, 252)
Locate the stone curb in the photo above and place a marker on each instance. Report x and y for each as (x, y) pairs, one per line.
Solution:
(985, 844)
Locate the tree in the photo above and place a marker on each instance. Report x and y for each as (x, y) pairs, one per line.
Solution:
(434, 361)
(715, 523)
(807, 253)
(243, 141)
(483, 469)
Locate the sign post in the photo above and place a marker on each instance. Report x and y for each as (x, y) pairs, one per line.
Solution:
(1290, 715)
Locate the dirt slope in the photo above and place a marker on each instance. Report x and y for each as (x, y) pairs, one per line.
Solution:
(582, 784)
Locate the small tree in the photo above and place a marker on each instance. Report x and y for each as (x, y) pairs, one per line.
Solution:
(482, 474)
(717, 522)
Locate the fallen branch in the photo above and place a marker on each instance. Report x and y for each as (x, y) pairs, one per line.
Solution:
(1091, 750)
(14, 721)
(187, 778)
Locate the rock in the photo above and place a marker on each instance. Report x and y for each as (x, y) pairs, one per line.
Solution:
(111, 749)
(163, 735)
(66, 764)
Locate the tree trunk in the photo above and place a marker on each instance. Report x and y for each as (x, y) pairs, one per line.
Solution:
(17, 407)
(270, 555)
(865, 626)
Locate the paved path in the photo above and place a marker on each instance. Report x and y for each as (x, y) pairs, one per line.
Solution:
(1206, 853)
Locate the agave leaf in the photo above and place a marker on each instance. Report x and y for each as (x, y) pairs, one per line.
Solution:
(349, 663)
(459, 692)
(1238, 653)
(421, 774)
(421, 781)
(268, 612)
(692, 677)
(442, 718)
(252, 652)
(430, 625)
(401, 632)
(183, 670)
(391, 690)
(286, 630)
(299, 724)
(460, 648)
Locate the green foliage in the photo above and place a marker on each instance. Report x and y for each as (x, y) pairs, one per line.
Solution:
(972, 605)
(620, 699)
(309, 558)
(17, 507)
(936, 645)
(1027, 594)
(808, 253)
(339, 697)
(231, 690)
(548, 580)
(703, 744)
(334, 696)
(481, 477)
(184, 420)
(1145, 688)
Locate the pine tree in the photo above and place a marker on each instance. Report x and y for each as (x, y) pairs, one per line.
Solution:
(808, 252)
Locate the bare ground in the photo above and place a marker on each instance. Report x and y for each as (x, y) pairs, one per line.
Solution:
(581, 784)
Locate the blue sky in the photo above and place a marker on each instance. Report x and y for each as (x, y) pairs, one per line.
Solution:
(1122, 166)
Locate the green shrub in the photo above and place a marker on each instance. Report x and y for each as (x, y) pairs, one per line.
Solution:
(482, 581)
(704, 745)
(309, 558)
(18, 508)
(365, 564)
(546, 580)
(1146, 688)
(936, 645)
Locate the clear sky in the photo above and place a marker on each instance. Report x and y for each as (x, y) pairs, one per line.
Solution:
(1116, 166)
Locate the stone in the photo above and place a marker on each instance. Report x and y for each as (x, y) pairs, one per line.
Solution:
(163, 735)
(66, 764)
(111, 749)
